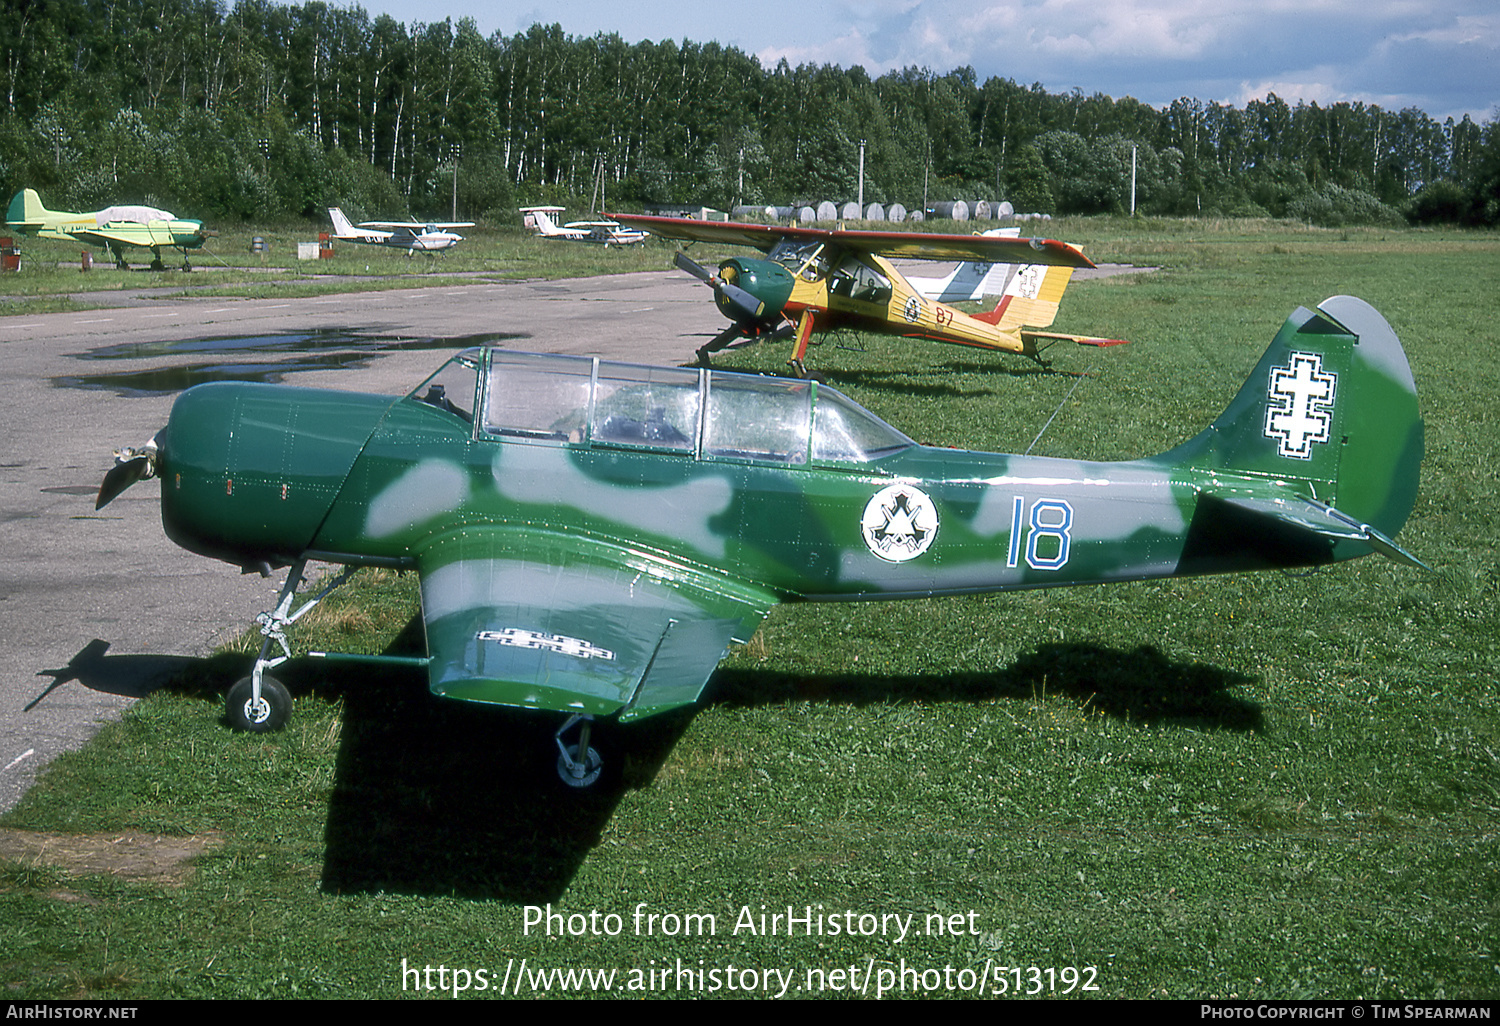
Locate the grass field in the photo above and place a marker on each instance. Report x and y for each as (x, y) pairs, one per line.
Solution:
(1263, 786)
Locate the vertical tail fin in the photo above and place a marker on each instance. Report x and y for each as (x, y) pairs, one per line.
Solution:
(1031, 298)
(341, 225)
(964, 283)
(1329, 414)
(539, 220)
(971, 280)
(26, 212)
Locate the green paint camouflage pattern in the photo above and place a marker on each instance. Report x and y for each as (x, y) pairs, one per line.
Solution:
(592, 536)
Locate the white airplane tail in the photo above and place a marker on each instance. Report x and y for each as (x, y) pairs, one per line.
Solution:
(539, 220)
(341, 225)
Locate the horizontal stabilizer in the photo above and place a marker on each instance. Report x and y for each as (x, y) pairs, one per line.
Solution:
(1326, 522)
(1083, 340)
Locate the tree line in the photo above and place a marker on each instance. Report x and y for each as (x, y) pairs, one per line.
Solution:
(266, 110)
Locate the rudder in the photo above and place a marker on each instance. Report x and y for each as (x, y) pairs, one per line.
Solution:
(1331, 411)
(1031, 299)
(341, 225)
(26, 210)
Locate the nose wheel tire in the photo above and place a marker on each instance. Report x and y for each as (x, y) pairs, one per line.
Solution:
(269, 713)
(577, 772)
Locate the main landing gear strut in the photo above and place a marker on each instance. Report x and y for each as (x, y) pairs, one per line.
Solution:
(261, 703)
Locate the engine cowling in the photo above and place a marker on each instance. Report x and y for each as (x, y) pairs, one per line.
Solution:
(249, 471)
(766, 280)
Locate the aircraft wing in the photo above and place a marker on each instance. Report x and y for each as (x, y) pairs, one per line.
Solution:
(417, 225)
(897, 245)
(536, 619)
(137, 235)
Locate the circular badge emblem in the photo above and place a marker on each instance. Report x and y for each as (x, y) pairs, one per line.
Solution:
(912, 310)
(899, 523)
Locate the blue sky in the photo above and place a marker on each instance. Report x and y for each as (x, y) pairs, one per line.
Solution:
(1441, 56)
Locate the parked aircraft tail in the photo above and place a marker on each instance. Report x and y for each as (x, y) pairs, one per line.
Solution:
(1031, 297)
(26, 212)
(539, 220)
(341, 225)
(1329, 412)
(971, 280)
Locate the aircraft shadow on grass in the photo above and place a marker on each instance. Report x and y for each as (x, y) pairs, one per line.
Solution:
(435, 797)
(452, 798)
(1143, 686)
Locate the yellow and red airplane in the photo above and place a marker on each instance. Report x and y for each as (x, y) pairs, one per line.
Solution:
(815, 279)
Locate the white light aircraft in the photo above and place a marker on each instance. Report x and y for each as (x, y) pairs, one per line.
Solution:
(412, 236)
(607, 233)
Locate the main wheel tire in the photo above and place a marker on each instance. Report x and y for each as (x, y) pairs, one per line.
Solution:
(270, 713)
(593, 767)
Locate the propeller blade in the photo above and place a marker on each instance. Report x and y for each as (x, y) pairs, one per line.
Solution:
(752, 307)
(131, 465)
(686, 263)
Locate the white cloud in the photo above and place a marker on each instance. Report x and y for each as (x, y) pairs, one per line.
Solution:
(1322, 93)
(845, 51)
(1477, 30)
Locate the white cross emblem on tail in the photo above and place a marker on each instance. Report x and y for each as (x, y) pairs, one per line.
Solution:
(1301, 408)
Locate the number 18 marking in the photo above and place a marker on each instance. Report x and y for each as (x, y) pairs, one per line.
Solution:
(1050, 519)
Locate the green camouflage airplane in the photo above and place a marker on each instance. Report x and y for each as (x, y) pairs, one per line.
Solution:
(112, 228)
(591, 536)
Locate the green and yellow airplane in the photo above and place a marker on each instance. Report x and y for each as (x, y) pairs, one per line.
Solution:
(592, 536)
(112, 228)
(814, 280)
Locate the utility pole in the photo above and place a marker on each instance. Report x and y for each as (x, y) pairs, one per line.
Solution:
(925, 169)
(454, 151)
(861, 178)
(1132, 181)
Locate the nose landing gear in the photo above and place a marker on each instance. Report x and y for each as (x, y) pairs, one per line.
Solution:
(578, 765)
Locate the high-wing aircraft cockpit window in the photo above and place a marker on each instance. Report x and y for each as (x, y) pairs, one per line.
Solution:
(844, 432)
(649, 406)
(804, 259)
(757, 419)
(856, 279)
(452, 388)
(541, 397)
